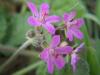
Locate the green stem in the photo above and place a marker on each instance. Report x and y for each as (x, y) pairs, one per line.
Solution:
(27, 69)
(10, 50)
(24, 6)
(23, 10)
(26, 44)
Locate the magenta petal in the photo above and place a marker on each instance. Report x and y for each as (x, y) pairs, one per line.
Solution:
(79, 47)
(64, 50)
(50, 65)
(32, 21)
(74, 60)
(59, 62)
(66, 15)
(44, 55)
(53, 19)
(55, 41)
(77, 33)
(69, 35)
(50, 28)
(33, 8)
(44, 8)
(78, 22)
(69, 16)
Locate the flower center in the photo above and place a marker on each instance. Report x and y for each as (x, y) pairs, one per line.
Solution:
(68, 25)
(54, 53)
(43, 17)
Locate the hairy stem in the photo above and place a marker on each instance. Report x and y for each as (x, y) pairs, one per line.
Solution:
(11, 50)
(26, 44)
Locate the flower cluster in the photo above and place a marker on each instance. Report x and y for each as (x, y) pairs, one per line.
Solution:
(54, 54)
(42, 17)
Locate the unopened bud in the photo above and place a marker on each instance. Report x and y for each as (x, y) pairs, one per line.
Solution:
(30, 34)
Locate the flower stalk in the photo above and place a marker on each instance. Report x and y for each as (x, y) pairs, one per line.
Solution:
(25, 45)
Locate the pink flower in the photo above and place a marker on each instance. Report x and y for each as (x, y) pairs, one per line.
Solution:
(53, 55)
(75, 57)
(42, 18)
(72, 26)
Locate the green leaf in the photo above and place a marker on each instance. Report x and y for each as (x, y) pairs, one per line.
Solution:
(20, 27)
(97, 47)
(3, 26)
(3, 23)
(91, 54)
(82, 68)
(93, 61)
(86, 35)
(67, 70)
(92, 17)
(60, 7)
(56, 72)
(98, 9)
(47, 36)
(42, 70)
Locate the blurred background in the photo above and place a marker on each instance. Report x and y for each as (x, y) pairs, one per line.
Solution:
(13, 28)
